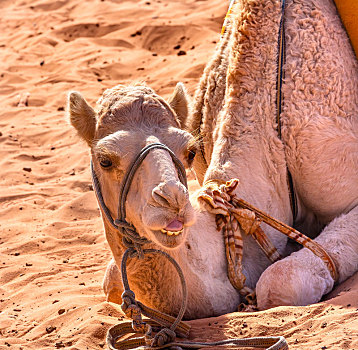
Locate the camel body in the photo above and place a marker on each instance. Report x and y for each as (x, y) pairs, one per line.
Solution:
(235, 110)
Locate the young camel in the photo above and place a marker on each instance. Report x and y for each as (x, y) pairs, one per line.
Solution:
(158, 206)
(235, 113)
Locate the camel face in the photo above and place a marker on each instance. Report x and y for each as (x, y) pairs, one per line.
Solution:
(128, 119)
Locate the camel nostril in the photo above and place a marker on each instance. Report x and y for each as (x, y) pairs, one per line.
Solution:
(160, 197)
(170, 195)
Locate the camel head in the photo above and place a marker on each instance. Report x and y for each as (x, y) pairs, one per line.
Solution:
(126, 120)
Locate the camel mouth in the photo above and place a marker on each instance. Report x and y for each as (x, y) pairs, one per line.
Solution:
(174, 228)
(169, 239)
(167, 230)
(172, 233)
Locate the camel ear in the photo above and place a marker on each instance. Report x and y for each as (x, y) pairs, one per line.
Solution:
(82, 116)
(180, 102)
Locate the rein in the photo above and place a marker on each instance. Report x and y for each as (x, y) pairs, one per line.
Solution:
(281, 59)
(231, 212)
(134, 244)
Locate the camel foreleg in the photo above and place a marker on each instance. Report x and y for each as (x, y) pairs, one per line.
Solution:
(302, 278)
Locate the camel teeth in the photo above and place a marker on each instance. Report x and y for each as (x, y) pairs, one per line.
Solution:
(172, 233)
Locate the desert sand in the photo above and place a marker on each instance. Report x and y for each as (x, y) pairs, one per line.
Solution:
(53, 252)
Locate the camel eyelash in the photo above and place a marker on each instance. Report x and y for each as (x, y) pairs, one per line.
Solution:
(105, 159)
(192, 149)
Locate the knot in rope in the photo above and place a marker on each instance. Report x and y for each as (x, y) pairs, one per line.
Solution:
(128, 303)
(164, 336)
(218, 197)
(123, 224)
(127, 242)
(131, 239)
(132, 310)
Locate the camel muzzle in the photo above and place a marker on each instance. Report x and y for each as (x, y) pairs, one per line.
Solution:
(130, 236)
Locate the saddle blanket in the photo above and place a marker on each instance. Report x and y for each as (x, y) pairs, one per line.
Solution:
(348, 11)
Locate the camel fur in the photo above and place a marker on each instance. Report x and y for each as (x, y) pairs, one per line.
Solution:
(235, 111)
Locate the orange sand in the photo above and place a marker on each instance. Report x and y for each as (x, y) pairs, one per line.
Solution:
(52, 248)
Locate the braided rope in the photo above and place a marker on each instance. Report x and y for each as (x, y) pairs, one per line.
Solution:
(124, 329)
(128, 293)
(231, 212)
(217, 199)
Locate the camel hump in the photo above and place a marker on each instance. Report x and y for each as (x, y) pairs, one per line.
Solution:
(348, 11)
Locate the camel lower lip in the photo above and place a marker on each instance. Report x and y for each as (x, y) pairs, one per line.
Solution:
(170, 239)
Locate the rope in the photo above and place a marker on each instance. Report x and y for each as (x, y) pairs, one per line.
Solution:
(281, 59)
(115, 341)
(231, 212)
(134, 243)
(166, 337)
(217, 199)
(133, 254)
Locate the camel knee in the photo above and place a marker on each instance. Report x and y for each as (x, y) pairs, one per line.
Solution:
(303, 278)
(276, 287)
(112, 283)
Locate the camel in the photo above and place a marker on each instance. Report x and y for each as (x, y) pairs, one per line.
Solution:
(235, 111)
(126, 119)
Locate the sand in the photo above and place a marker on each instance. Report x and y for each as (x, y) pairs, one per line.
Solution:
(52, 248)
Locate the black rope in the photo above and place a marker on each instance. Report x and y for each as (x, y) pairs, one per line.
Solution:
(131, 253)
(281, 58)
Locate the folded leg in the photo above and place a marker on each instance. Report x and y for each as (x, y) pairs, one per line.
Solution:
(302, 278)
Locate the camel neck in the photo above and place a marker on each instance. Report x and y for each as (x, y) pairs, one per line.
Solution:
(245, 138)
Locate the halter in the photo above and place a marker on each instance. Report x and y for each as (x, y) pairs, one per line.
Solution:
(130, 236)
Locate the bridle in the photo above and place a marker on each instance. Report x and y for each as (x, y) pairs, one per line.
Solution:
(130, 236)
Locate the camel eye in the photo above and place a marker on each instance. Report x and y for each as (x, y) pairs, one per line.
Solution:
(191, 155)
(105, 163)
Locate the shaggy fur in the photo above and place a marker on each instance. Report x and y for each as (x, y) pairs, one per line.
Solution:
(319, 136)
